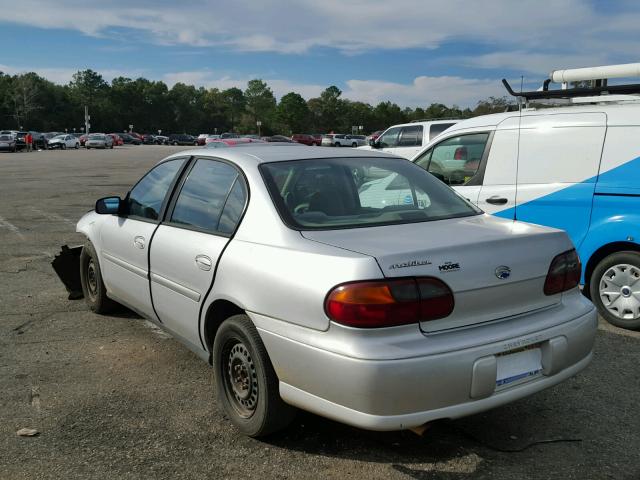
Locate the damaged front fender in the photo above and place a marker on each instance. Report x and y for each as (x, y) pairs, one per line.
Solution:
(67, 266)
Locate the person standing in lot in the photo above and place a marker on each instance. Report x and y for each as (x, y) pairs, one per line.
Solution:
(28, 138)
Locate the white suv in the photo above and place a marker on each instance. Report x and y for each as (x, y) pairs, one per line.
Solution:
(407, 139)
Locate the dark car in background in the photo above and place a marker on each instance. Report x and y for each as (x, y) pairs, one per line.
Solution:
(306, 139)
(149, 139)
(181, 139)
(277, 138)
(130, 139)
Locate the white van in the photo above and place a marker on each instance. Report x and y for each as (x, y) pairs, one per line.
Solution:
(407, 139)
(576, 168)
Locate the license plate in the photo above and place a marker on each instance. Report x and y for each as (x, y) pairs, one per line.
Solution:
(520, 364)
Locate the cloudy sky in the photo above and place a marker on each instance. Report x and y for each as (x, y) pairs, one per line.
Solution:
(412, 52)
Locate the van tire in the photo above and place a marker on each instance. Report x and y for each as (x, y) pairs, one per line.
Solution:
(262, 411)
(625, 261)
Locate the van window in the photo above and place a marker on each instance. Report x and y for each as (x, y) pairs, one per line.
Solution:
(389, 138)
(411, 136)
(455, 160)
(437, 128)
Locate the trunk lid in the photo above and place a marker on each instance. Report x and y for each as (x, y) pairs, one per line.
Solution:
(496, 268)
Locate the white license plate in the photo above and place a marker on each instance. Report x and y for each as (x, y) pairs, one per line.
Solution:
(518, 365)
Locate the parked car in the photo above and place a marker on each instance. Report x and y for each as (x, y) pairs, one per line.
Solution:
(162, 139)
(39, 140)
(342, 140)
(117, 139)
(232, 142)
(211, 138)
(374, 136)
(129, 139)
(276, 138)
(82, 139)
(64, 141)
(181, 139)
(576, 168)
(138, 136)
(149, 139)
(422, 309)
(407, 139)
(230, 135)
(306, 139)
(8, 142)
(21, 144)
(99, 140)
(201, 139)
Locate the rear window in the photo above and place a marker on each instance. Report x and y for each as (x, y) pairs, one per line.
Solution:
(325, 194)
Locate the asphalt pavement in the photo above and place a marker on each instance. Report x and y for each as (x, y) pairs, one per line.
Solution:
(113, 397)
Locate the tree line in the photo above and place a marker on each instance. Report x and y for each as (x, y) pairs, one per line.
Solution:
(31, 102)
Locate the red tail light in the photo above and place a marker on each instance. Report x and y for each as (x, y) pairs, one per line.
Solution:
(564, 273)
(387, 303)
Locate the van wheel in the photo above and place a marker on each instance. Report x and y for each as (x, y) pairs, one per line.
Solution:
(336, 144)
(354, 144)
(615, 289)
(246, 383)
(95, 293)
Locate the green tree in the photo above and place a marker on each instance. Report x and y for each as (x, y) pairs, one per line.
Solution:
(293, 113)
(234, 104)
(260, 105)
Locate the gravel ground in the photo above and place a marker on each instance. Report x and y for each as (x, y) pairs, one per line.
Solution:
(114, 397)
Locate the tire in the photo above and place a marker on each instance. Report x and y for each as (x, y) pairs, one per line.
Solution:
(95, 293)
(88, 148)
(63, 146)
(255, 409)
(111, 147)
(336, 144)
(354, 145)
(77, 146)
(626, 266)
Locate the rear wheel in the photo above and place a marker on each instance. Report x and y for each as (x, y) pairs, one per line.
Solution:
(336, 144)
(63, 146)
(246, 383)
(77, 146)
(95, 293)
(354, 144)
(615, 289)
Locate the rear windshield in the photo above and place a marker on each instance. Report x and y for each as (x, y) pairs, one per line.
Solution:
(325, 194)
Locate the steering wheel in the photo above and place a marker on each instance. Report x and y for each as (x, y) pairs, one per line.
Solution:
(301, 208)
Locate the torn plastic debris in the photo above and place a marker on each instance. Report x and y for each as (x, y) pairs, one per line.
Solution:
(67, 266)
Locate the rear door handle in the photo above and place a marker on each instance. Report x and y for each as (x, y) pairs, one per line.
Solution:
(204, 262)
(496, 200)
(139, 242)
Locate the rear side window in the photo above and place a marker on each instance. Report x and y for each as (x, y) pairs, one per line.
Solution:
(411, 136)
(332, 193)
(202, 200)
(437, 128)
(146, 198)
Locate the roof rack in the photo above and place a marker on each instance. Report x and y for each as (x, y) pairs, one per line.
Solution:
(434, 119)
(598, 76)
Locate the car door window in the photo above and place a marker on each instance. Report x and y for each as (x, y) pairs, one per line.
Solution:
(455, 160)
(146, 198)
(233, 208)
(202, 199)
(410, 136)
(389, 138)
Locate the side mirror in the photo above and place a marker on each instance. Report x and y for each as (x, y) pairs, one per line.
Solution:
(108, 206)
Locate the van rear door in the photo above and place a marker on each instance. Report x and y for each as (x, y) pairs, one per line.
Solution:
(558, 162)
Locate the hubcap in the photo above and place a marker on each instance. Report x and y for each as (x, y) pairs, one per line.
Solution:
(620, 291)
(92, 279)
(241, 381)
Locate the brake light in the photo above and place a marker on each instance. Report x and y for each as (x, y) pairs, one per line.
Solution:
(388, 303)
(564, 273)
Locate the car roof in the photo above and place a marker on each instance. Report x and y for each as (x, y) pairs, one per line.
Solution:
(266, 153)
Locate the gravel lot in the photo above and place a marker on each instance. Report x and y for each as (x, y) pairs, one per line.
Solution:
(113, 397)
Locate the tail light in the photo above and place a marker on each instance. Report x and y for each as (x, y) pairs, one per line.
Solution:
(564, 273)
(388, 303)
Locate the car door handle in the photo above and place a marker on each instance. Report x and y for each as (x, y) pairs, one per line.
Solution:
(203, 262)
(496, 200)
(139, 242)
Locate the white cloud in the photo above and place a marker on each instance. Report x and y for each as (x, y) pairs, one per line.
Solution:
(295, 26)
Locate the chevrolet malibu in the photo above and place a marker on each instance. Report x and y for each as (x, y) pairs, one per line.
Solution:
(279, 268)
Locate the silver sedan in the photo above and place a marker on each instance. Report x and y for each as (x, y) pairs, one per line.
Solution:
(303, 288)
(98, 140)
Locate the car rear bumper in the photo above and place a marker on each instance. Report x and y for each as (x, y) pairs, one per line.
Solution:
(401, 393)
